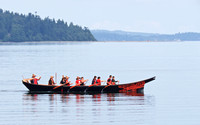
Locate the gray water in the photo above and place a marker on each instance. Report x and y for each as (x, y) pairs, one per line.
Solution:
(173, 98)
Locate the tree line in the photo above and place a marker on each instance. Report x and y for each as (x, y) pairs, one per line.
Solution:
(15, 27)
(104, 35)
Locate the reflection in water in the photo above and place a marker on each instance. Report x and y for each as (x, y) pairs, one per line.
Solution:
(33, 97)
(79, 98)
(134, 94)
(96, 97)
(96, 108)
(65, 98)
(111, 98)
(51, 98)
(30, 99)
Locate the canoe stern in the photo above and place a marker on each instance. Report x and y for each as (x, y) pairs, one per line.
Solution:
(131, 87)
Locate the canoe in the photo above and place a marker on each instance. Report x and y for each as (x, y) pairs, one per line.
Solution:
(134, 87)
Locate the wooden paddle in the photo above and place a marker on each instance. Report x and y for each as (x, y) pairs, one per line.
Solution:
(62, 85)
(92, 85)
(105, 87)
(89, 87)
(74, 86)
(58, 86)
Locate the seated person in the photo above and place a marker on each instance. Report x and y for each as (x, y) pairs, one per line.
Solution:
(109, 80)
(77, 81)
(35, 80)
(99, 81)
(67, 82)
(94, 81)
(51, 81)
(63, 80)
(114, 81)
(82, 81)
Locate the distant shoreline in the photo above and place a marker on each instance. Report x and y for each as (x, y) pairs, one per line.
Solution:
(106, 35)
(90, 42)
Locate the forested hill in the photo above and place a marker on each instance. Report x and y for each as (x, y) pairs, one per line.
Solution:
(16, 27)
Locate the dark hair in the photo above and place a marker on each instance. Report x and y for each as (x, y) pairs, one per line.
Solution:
(110, 76)
(95, 76)
(99, 77)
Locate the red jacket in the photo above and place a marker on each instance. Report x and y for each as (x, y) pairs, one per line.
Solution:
(98, 82)
(77, 82)
(35, 81)
(109, 81)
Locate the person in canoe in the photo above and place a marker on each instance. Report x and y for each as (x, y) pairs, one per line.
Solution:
(99, 81)
(94, 81)
(63, 80)
(109, 80)
(78, 81)
(114, 81)
(51, 81)
(82, 81)
(67, 82)
(34, 79)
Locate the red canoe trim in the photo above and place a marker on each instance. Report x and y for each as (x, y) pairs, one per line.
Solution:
(132, 87)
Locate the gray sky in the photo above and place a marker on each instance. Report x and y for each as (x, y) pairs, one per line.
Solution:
(153, 16)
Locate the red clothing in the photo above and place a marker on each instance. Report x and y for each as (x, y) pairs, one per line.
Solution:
(98, 82)
(78, 82)
(109, 81)
(67, 83)
(35, 81)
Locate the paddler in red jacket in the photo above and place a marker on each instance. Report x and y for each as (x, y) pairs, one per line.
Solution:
(35, 80)
(78, 81)
(99, 81)
(109, 80)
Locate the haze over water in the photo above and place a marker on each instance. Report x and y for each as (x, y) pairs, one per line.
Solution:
(173, 98)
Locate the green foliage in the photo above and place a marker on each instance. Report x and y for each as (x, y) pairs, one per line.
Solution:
(18, 28)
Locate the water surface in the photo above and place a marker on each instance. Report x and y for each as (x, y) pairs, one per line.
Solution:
(173, 98)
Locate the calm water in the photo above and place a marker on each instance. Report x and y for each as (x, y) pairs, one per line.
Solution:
(173, 98)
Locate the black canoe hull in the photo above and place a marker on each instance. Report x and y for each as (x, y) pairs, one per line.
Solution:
(135, 86)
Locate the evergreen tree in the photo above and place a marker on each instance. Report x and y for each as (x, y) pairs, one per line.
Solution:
(18, 28)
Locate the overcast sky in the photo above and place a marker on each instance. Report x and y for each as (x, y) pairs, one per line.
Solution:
(152, 16)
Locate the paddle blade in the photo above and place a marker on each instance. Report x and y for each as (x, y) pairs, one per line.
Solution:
(58, 86)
